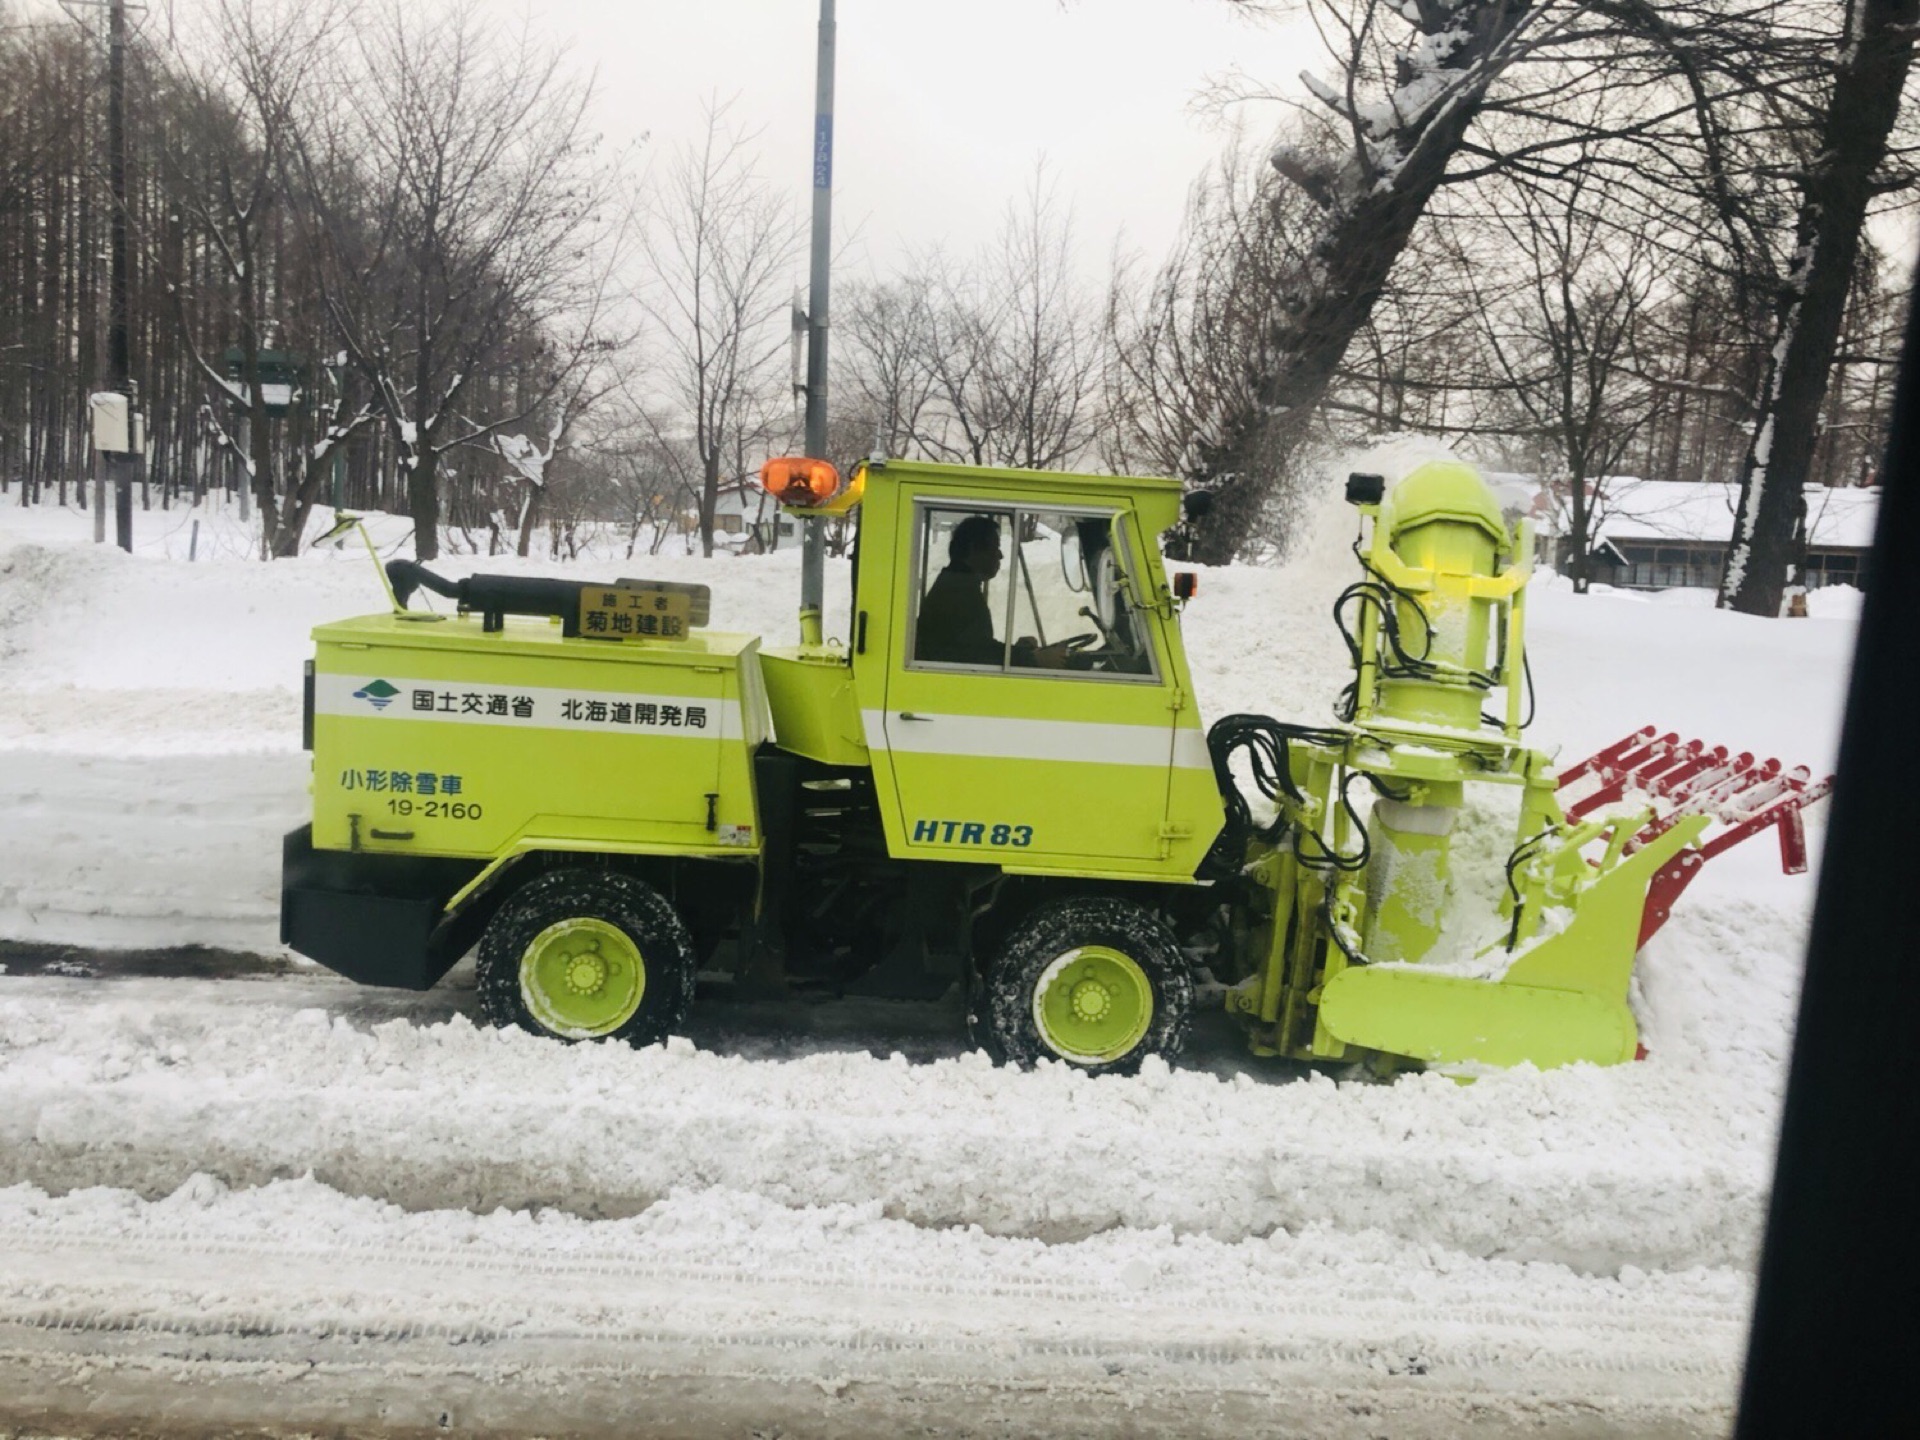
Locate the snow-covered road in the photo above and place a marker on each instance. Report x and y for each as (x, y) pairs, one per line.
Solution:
(837, 1309)
(413, 1218)
(278, 1199)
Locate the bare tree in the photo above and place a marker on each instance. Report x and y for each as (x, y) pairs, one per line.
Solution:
(47, 249)
(531, 461)
(1411, 367)
(1012, 346)
(449, 198)
(658, 479)
(1180, 345)
(1564, 340)
(721, 248)
(1858, 409)
(221, 165)
(1400, 112)
(1874, 54)
(883, 383)
(1429, 93)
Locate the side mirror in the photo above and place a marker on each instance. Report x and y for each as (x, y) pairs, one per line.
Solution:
(1196, 503)
(1365, 489)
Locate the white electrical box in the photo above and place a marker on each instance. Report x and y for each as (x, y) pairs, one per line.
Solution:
(112, 421)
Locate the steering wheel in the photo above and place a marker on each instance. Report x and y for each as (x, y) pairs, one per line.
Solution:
(1079, 657)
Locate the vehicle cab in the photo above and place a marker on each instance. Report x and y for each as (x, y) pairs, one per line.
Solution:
(1015, 678)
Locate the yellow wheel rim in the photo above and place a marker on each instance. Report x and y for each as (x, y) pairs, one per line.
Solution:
(1092, 1004)
(582, 978)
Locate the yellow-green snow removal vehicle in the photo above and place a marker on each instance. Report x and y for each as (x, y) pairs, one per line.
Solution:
(1000, 782)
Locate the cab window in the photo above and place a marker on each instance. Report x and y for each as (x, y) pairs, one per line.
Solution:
(1018, 590)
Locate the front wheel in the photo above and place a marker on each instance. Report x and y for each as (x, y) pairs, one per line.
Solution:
(1095, 981)
(587, 955)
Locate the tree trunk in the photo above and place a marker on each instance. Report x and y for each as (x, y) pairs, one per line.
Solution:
(529, 515)
(1243, 453)
(1580, 526)
(293, 519)
(423, 502)
(1872, 68)
(709, 502)
(316, 469)
(260, 453)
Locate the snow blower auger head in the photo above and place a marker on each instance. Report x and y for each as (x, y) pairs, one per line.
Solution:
(1361, 952)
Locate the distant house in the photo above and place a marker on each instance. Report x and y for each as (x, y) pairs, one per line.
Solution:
(1656, 534)
(745, 510)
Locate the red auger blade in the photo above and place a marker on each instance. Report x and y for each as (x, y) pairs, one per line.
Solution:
(1674, 777)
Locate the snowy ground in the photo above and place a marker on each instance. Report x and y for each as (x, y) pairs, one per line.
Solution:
(275, 1198)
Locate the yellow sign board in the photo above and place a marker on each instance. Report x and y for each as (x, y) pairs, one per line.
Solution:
(619, 612)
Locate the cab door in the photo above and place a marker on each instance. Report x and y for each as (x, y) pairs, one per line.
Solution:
(1052, 747)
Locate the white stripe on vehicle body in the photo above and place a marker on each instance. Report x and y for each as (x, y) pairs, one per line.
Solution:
(525, 707)
(1005, 738)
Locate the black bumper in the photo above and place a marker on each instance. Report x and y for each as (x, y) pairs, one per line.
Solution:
(376, 919)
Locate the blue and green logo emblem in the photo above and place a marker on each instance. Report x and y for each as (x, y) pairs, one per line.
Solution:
(377, 693)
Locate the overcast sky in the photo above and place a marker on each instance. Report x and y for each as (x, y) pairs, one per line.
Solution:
(944, 106)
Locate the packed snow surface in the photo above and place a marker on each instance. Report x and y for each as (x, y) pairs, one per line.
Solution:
(271, 1164)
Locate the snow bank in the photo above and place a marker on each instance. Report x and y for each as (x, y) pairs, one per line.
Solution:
(1655, 1165)
(106, 653)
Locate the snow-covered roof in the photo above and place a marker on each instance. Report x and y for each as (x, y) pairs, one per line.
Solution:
(1702, 513)
(1678, 510)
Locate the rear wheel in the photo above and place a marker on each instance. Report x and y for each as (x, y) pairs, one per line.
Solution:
(1096, 981)
(587, 955)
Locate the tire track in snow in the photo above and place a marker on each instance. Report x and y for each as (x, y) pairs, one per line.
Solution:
(1670, 1330)
(877, 1298)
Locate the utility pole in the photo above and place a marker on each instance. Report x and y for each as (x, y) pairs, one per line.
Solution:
(118, 437)
(813, 552)
(120, 464)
